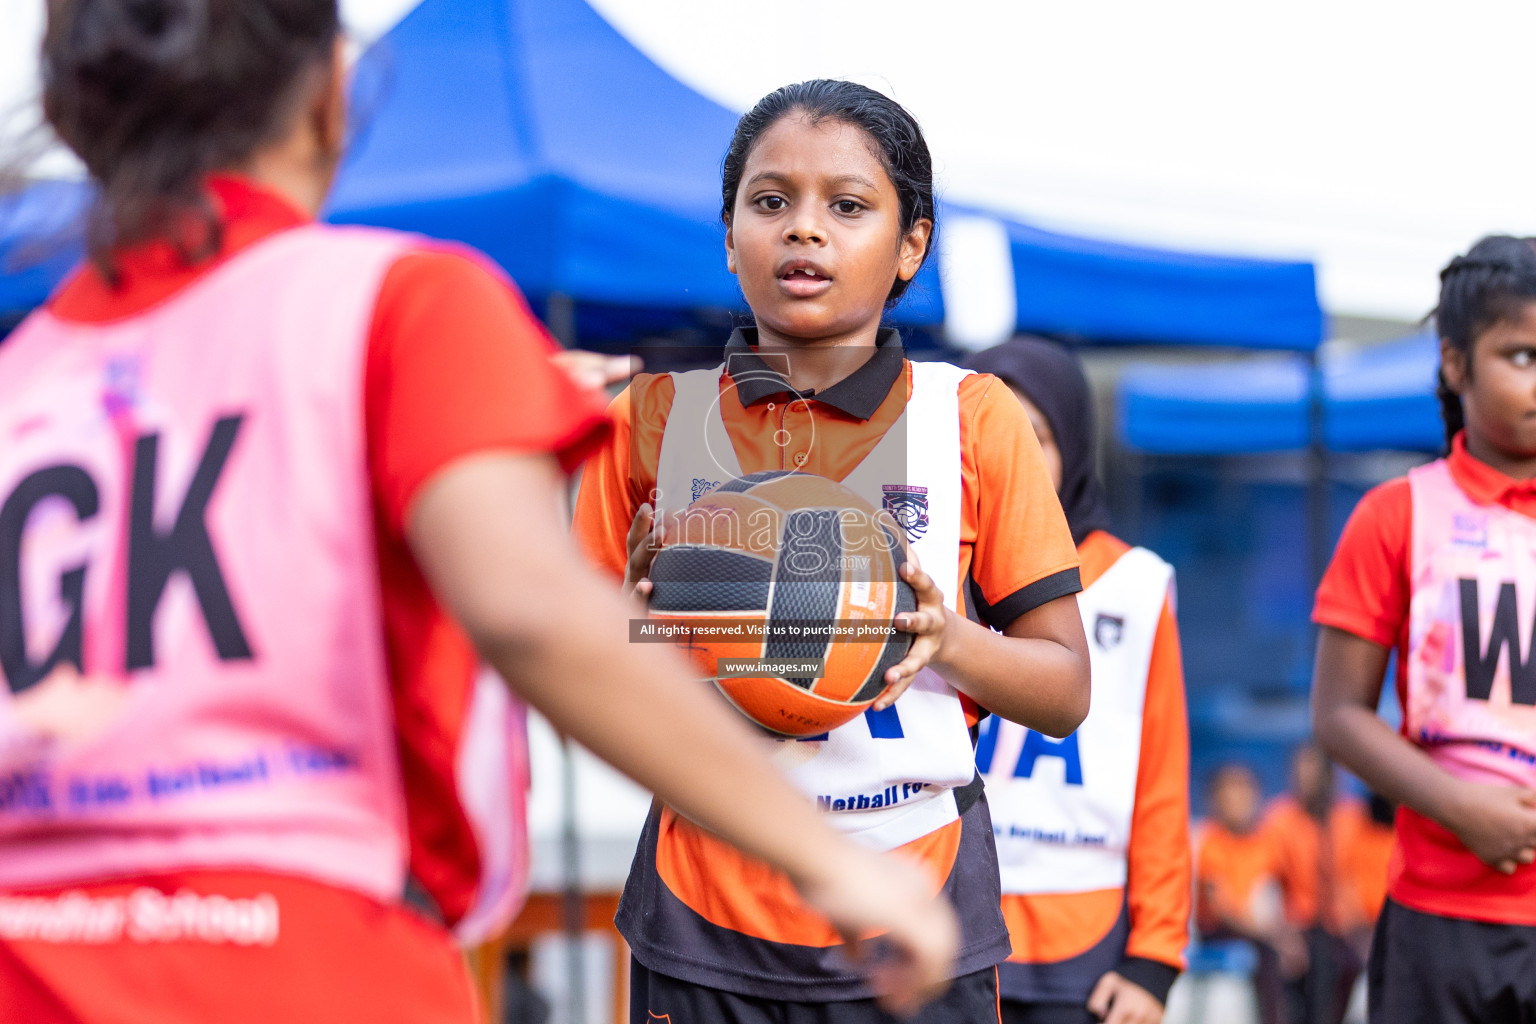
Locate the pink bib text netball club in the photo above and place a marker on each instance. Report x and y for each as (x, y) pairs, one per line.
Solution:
(1471, 699)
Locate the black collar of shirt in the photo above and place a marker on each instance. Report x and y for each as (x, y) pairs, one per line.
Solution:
(858, 394)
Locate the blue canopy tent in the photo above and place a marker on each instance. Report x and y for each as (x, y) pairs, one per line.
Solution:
(1235, 537)
(535, 132)
(1373, 398)
(1106, 292)
(40, 239)
(540, 135)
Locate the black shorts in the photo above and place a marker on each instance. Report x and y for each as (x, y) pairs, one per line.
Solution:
(1447, 970)
(657, 999)
(1046, 1013)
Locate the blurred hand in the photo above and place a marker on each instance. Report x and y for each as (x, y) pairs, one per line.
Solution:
(642, 543)
(1497, 823)
(927, 626)
(593, 370)
(1117, 1001)
(69, 707)
(904, 937)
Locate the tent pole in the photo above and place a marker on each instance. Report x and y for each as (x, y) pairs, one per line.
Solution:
(573, 912)
(1317, 471)
(560, 311)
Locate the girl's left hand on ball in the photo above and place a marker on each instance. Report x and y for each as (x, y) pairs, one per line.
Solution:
(927, 626)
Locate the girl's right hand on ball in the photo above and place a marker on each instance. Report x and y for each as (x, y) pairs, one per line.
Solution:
(642, 542)
(1497, 823)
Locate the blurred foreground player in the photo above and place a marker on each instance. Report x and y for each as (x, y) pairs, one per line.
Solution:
(268, 490)
(1441, 566)
(1093, 831)
(828, 203)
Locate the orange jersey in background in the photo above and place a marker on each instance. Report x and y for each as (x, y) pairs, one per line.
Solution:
(1364, 850)
(1232, 874)
(1320, 870)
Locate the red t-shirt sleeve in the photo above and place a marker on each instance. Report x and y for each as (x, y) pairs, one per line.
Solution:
(1365, 590)
(457, 364)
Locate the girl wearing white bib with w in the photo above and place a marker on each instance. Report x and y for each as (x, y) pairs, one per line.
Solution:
(1092, 831)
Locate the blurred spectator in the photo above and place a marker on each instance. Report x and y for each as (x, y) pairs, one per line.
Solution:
(1237, 892)
(1363, 845)
(1310, 831)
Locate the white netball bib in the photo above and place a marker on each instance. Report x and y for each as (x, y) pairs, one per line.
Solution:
(1061, 809)
(887, 777)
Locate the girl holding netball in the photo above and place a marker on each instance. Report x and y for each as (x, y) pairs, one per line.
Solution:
(1440, 567)
(1099, 911)
(269, 491)
(828, 204)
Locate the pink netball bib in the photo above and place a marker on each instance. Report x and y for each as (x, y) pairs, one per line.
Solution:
(1471, 676)
(184, 504)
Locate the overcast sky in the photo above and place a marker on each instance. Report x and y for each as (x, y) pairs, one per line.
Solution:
(1378, 138)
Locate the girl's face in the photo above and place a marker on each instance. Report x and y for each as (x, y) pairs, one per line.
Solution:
(1049, 450)
(815, 237)
(1498, 390)
(1235, 801)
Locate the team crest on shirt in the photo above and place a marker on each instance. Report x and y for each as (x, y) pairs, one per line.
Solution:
(1470, 530)
(120, 390)
(908, 506)
(702, 487)
(1108, 631)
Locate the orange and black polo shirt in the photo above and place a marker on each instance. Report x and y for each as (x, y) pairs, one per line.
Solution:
(696, 909)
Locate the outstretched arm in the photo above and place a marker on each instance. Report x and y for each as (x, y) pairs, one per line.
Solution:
(490, 539)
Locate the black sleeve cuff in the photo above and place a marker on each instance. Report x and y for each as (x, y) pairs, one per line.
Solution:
(1153, 975)
(1026, 599)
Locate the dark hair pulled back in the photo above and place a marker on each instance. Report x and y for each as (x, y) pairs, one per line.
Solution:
(153, 95)
(1490, 284)
(898, 142)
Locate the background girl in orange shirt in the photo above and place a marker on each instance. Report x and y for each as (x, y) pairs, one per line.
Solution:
(1237, 888)
(1093, 832)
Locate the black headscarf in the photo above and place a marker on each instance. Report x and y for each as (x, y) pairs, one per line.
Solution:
(1051, 377)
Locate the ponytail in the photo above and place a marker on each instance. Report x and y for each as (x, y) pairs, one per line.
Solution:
(154, 95)
(1486, 286)
(1450, 409)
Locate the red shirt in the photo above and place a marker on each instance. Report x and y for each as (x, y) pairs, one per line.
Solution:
(456, 365)
(1366, 592)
